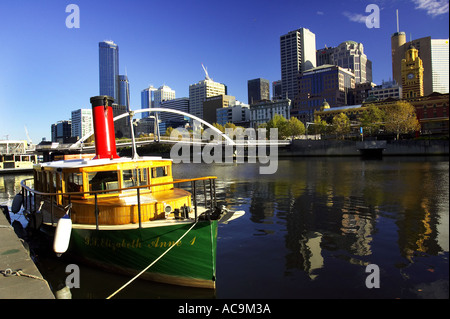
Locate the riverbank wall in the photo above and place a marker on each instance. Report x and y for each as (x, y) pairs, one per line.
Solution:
(20, 278)
(354, 148)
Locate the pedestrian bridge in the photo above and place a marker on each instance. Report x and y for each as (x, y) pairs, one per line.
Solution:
(81, 146)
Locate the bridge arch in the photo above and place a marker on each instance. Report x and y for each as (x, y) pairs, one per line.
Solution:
(158, 109)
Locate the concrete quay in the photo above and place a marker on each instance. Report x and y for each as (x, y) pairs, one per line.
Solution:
(353, 148)
(14, 261)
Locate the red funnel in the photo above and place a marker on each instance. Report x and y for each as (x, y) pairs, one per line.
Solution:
(102, 113)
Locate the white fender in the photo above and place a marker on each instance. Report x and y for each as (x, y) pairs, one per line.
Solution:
(62, 235)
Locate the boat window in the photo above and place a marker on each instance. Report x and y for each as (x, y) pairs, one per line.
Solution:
(74, 182)
(49, 187)
(103, 181)
(134, 177)
(159, 171)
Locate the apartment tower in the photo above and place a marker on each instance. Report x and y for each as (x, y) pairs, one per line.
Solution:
(298, 54)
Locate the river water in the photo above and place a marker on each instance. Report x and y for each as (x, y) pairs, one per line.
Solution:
(317, 228)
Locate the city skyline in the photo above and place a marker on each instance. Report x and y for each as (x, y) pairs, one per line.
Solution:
(49, 70)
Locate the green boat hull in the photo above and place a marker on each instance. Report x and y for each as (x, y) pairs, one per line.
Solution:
(190, 262)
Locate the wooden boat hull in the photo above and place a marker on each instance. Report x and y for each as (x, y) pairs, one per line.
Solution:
(192, 262)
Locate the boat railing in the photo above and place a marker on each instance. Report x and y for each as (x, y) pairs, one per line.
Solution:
(65, 199)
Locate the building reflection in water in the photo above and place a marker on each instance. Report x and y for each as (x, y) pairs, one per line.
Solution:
(341, 208)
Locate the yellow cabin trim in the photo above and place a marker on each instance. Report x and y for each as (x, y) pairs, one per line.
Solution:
(116, 207)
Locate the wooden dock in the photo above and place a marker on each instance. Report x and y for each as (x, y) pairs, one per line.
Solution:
(19, 276)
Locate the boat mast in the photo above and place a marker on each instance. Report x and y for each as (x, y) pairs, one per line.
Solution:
(131, 113)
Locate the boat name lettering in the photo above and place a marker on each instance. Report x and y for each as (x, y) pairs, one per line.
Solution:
(135, 243)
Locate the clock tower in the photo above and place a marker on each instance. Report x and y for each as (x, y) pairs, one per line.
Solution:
(412, 74)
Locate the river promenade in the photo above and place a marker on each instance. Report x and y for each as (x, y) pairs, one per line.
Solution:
(19, 278)
(353, 148)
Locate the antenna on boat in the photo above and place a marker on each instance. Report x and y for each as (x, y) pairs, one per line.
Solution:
(135, 155)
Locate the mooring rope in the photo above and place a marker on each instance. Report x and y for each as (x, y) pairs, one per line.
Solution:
(154, 262)
(9, 272)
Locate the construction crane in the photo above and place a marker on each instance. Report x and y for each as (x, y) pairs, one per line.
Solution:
(206, 73)
(28, 136)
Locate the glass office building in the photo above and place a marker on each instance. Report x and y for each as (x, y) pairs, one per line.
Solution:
(124, 91)
(147, 98)
(439, 65)
(109, 69)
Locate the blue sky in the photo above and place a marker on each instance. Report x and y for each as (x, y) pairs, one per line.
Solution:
(47, 70)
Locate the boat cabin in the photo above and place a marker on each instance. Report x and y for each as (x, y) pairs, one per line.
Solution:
(118, 188)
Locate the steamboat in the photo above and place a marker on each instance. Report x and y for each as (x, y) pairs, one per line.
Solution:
(127, 215)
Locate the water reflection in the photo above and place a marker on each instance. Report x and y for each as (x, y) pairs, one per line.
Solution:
(311, 228)
(390, 212)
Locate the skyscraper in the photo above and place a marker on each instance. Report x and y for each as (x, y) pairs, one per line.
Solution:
(277, 88)
(124, 91)
(198, 93)
(163, 93)
(82, 122)
(258, 90)
(147, 98)
(439, 65)
(109, 69)
(398, 39)
(298, 54)
(348, 55)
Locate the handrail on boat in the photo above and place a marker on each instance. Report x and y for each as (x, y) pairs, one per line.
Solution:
(26, 189)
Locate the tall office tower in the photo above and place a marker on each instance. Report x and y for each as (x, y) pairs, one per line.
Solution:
(258, 90)
(398, 39)
(298, 54)
(82, 122)
(277, 89)
(163, 93)
(124, 91)
(435, 57)
(439, 65)
(348, 55)
(147, 98)
(61, 131)
(109, 69)
(200, 91)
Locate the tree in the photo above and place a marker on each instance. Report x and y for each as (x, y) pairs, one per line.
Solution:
(372, 119)
(295, 127)
(280, 123)
(320, 126)
(174, 133)
(229, 125)
(341, 124)
(401, 118)
(219, 127)
(169, 131)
